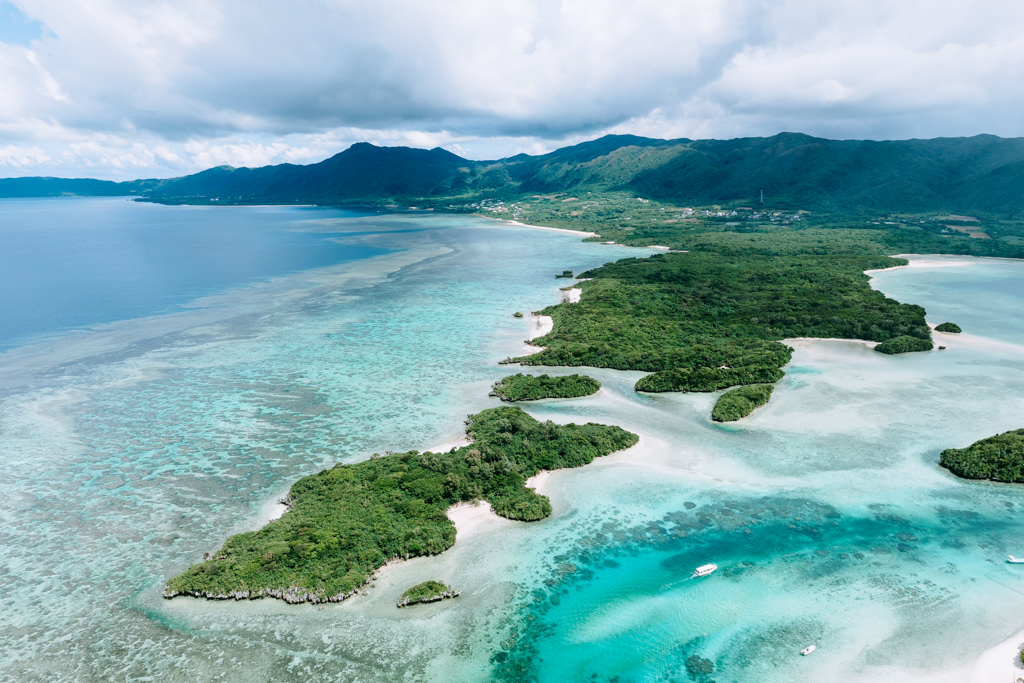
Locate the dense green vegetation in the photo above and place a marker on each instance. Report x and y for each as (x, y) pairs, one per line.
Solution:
(949, 176)
(345, 522)
(904, 344)
(740, 402)
(948, 327)
(714, 317)
(520, 387)
(999, 458)
(428, 591)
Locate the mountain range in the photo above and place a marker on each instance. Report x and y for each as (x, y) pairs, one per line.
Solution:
(981, 174)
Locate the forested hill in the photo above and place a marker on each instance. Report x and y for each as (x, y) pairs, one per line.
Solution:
(981, 174)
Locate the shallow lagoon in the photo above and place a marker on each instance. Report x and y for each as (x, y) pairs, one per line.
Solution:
(131, 448)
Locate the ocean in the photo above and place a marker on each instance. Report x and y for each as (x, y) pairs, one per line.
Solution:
(255, 345)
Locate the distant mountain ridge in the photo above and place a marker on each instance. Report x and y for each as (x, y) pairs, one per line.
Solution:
(983, 174)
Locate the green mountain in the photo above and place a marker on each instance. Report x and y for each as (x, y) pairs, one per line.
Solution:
(964, 175)
(67, 187)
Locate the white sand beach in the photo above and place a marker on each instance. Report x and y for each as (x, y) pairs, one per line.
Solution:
(926, 261)
(539, 326)
(471, 518)
(448, 445)
(539, 482)
(811, 340)
(582, 233)
(1001, 663)
(272, 509)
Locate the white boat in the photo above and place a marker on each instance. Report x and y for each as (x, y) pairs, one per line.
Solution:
(1015, 560)
(705, 569)
(808, 650)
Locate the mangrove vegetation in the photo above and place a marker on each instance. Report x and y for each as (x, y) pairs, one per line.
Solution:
(714, 317)
(904, 343)
(520, 387)
(739, 402)
(997, 458)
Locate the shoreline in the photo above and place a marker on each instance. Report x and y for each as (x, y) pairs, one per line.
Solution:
(470, 518)
(1000, 662)
(797, 340)
(446, 446)
(541, 481)
(934, 261)
(509, 221)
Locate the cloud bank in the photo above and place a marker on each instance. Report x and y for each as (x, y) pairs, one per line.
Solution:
(133, 88)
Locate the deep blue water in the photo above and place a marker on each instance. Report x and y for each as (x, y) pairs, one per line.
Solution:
(115, 259)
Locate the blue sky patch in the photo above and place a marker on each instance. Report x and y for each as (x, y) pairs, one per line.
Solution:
(15, 27)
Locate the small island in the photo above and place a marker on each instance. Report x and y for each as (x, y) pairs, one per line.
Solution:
(904, 344)
(739, 402)
(997, 458)
(428, 591)
(951, 328)
(520, 387)
(346, 522)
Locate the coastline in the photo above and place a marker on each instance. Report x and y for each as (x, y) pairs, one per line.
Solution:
(929, 261)
(1000, 662)
(540, 482)
(803, 340)
(470, 518)
(509, 221)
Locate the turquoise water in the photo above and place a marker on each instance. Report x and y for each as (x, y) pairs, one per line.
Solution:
(133, 447)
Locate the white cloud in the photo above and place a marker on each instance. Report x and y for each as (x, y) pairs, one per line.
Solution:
(154, 87)
(14, 156)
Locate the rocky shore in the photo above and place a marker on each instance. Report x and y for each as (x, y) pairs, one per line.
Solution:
(292, 595)
(405, 602)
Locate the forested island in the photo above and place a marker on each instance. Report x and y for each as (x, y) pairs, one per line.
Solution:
(520, 387)
(714, 317)
(346, 522)
(428, 591)
(739, 402)
(997, 458)
(904, 343)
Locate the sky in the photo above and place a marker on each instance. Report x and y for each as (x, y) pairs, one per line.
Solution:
(121, 89)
